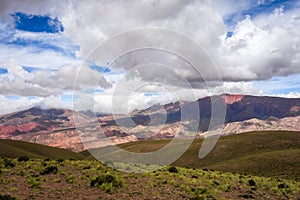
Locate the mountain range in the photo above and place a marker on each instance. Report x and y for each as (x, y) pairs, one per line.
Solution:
(55, 127)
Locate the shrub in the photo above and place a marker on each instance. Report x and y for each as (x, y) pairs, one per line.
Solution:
(216, 183)
(8, 163)
(23, 159)
(7, 197)
(247, 196)
(251, 182)
(228, 188)
(60, 161)
(34, 182)
(202, 190)
(173, 169)
(21, 173)
(200, 193)
(86, 167)
(49, 170)
(107, 182)
(282, 186)
(70, 179)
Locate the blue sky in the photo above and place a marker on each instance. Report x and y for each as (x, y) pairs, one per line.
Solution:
(280, 85)
(37, 23)
(43, 48)
(3, 71)
(257, 8)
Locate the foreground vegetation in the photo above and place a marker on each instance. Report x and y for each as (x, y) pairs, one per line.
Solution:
(264, 153)
(88, 179)
(257, 165)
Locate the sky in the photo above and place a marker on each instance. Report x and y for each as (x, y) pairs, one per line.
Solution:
(51, 51)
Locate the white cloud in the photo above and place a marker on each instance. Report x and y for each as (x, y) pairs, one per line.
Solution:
(289, 95)
(88, 26)
(8, 7)
(46, 83)
(21, 103)
(40, 50)
(9, 105)
(227, 8)
(252, 53)
(44, 59)
(257, 49)
(260, 48)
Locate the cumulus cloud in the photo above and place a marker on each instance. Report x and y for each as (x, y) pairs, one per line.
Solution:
(261, 47)
(45, 82)
(8, 7)
(254, 52)
(43, 59)
(40, 50)
(17, 103)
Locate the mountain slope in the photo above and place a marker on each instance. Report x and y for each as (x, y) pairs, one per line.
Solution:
(272, 123)
(14, 149)
(55, 127)
(238, 108)
(52, 127)
(264, 153)
(35, 120)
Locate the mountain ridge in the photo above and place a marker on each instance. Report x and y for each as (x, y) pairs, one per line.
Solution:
(56, 127)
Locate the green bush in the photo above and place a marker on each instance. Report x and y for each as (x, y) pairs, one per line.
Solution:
(7, 197)
(8, 163)
(173, 169)
(86, 167)
(70, 179)
(23, 159)
(282, 186)
(251, 182)
(247, 196)
(107, 182)
(216, 183)
(60, 161)
(34, 182)
(20, 173)
(49, 170)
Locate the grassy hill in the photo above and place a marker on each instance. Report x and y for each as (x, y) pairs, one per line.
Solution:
(274, 154)
(89, 179)
(265, 153)
(14, 149)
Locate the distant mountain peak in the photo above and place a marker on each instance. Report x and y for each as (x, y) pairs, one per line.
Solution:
(232, 98)
(55, 126)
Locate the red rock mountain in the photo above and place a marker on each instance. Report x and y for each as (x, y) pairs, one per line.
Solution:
(55, 127)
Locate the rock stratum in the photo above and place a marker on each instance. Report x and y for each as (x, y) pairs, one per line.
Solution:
(56, 127)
